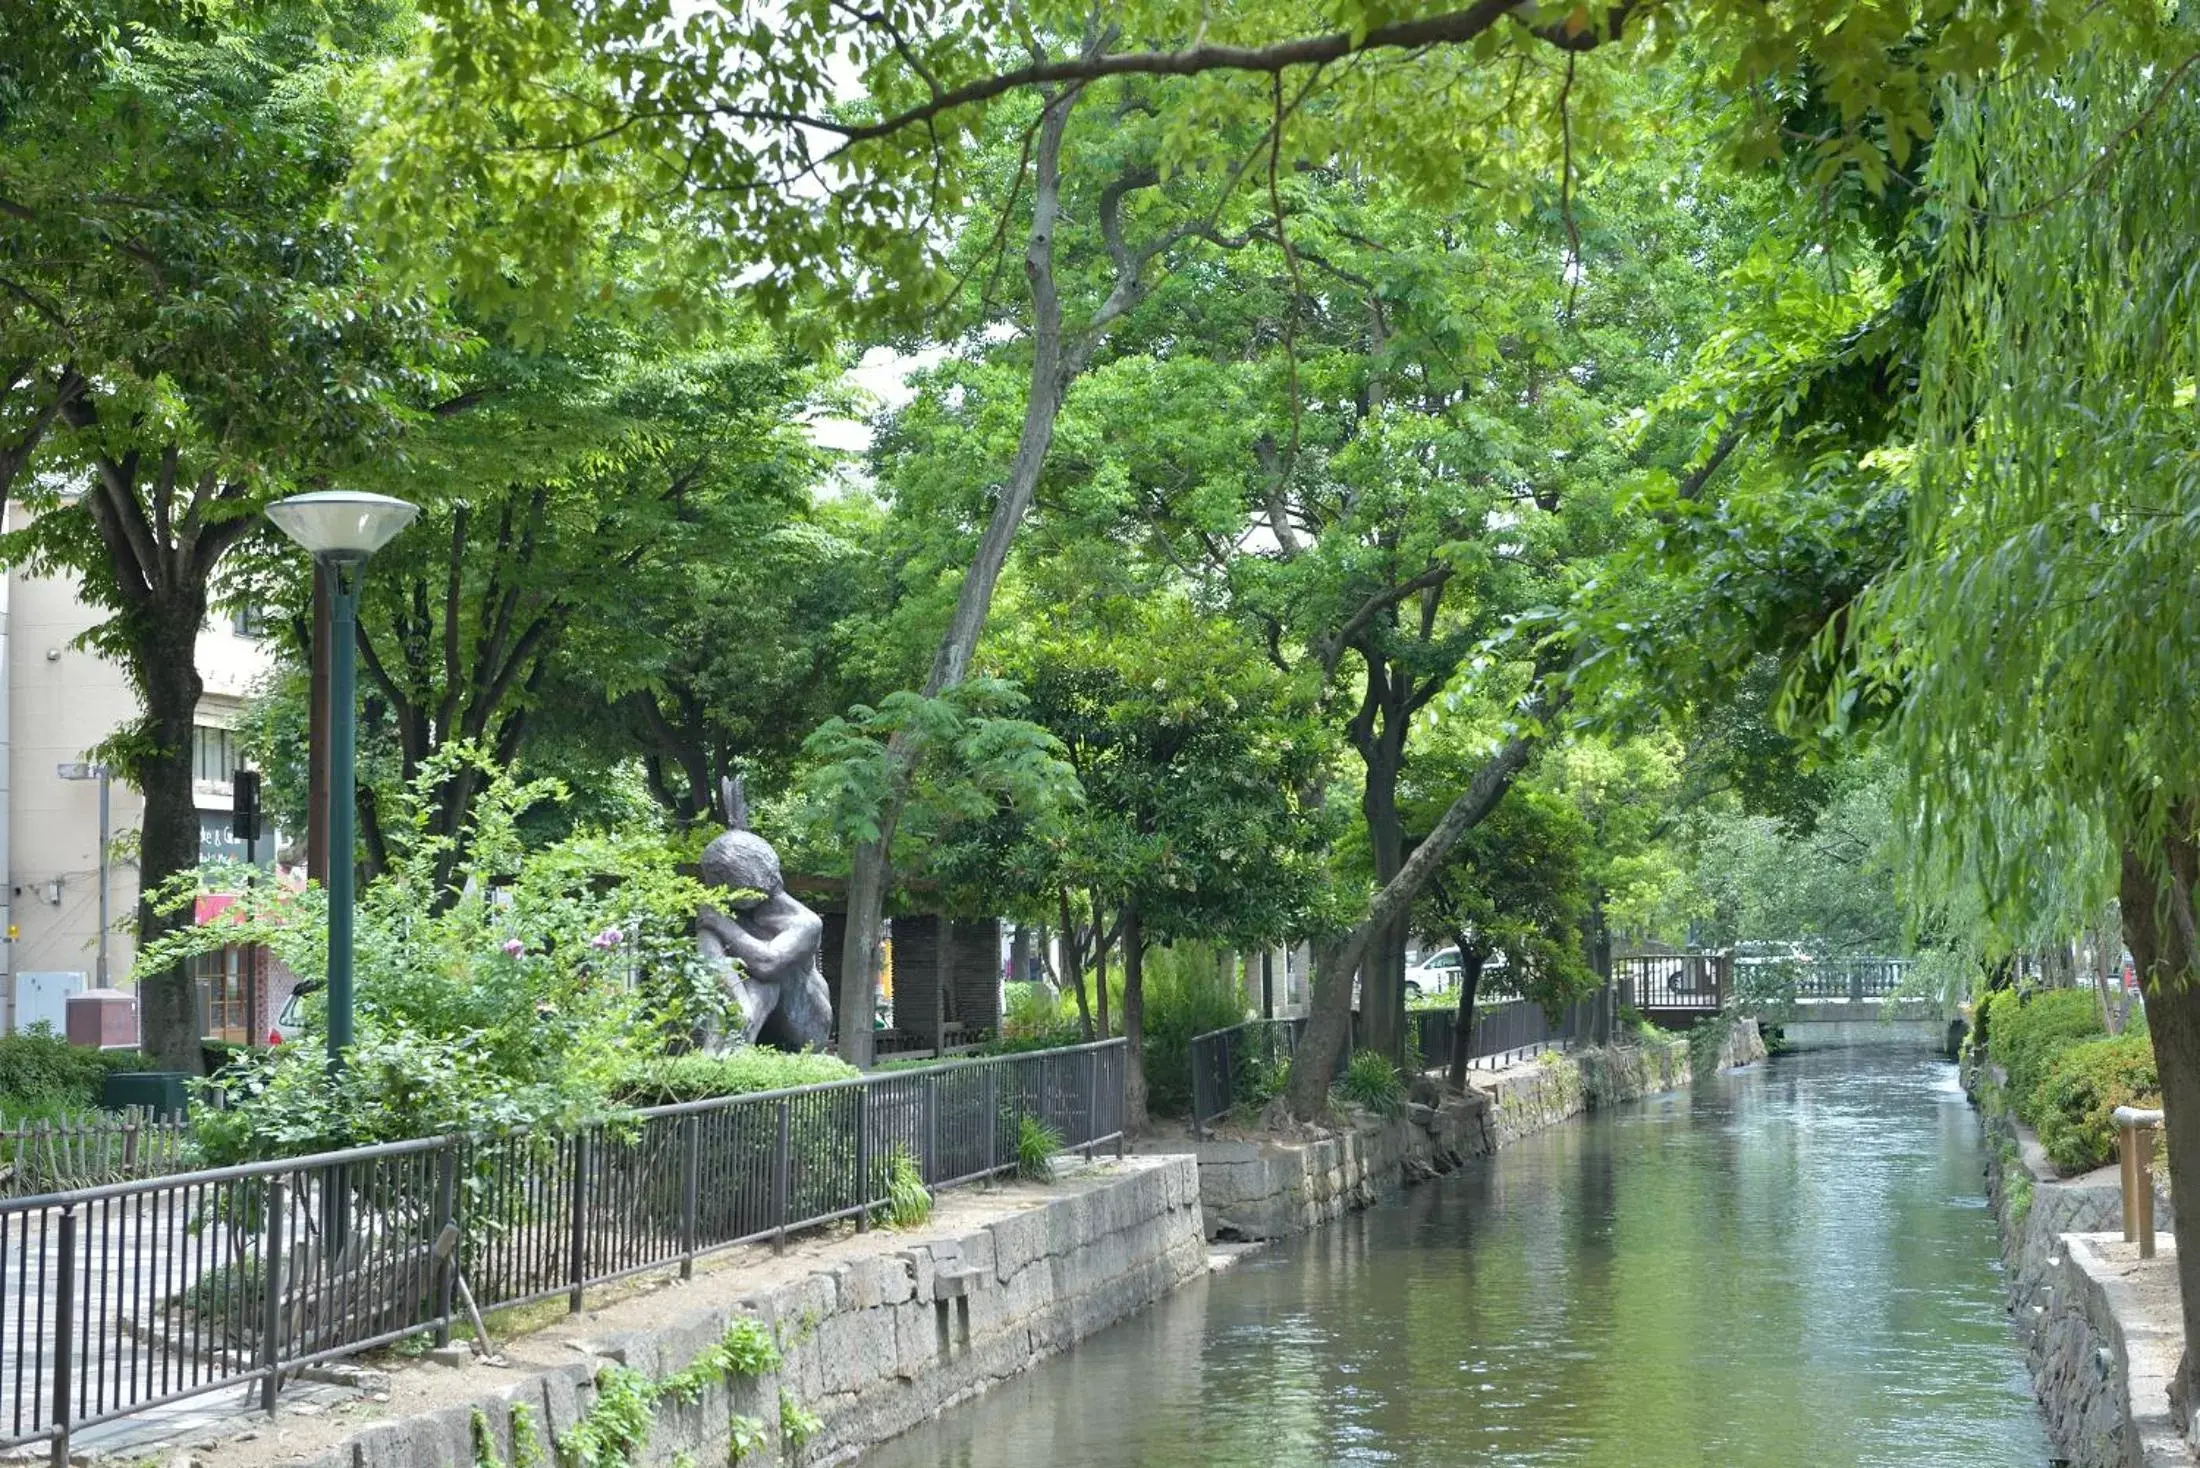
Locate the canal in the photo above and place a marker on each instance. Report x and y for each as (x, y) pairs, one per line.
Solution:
(1793, 1265)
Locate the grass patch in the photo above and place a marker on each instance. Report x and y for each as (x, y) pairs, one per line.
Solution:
(1370, 1080)
(1036, 1144)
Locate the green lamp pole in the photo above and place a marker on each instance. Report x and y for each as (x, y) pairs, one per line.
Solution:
(341, 528)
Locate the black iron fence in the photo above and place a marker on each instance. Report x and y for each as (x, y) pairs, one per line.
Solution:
(1239, 1063)
(1674, 980)
(120, 1298)
(1244, 1061)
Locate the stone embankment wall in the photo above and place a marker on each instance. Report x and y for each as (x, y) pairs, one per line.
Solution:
(1272, 1187)
(869, 1347)
(2102, 1352)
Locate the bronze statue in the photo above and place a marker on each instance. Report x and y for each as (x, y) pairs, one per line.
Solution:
(782, 997)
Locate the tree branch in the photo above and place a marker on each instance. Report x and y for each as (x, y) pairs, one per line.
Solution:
(1333, 648)
(1450, 28)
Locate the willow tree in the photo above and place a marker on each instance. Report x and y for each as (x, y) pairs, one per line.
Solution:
(2045, 629)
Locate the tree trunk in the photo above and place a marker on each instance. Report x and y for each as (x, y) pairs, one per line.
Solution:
(1383, 970)
(2108, 983)
(168, 843)
(859, 947)
(1313, 1067)
(1134, 1020)
(1462, 1033)
(1100, 974)
(2157, 899)
(1328, 1030)
(1073, 965)
(867, 879)
(1600, 964)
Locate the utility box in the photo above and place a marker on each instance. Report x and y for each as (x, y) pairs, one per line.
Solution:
(162, 1092)
(105, 1019)
(43, 998)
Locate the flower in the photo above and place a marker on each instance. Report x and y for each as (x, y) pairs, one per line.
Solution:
(514, 947)
(608, 938)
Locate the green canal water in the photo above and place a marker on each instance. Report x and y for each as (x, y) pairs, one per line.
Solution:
(1793, 1267)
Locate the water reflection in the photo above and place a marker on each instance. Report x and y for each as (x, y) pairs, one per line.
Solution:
(1791, 1266)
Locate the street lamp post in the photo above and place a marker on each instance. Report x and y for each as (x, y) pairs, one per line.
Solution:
(341, 528)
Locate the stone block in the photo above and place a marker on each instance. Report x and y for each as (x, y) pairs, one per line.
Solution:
(1019, 1240)
(977, 1250)
(919, 1260)
(416, 1442)
(916, 1339)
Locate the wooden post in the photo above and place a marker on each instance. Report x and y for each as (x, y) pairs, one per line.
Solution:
(2142, 1143)
(2135, 1142)
(2127, 1160)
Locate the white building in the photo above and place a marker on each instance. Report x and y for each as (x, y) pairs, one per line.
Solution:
(57, 703)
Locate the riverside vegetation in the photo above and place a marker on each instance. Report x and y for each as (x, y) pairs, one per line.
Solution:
(2065, 1074)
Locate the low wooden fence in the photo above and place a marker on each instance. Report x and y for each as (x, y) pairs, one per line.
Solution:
(83, 1152)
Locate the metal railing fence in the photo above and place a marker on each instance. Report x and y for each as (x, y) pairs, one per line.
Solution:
(1232, 1064)
(119, 1298)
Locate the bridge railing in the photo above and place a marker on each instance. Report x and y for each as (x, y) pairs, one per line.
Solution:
(1674, 980)
(1821, 981)
(1707, 981)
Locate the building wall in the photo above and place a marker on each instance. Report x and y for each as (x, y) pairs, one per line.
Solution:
(61, 702)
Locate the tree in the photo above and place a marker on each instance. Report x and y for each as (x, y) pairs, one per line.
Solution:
(569, 510)
(189, 335)
(750, 653)
(1196, 760)
(751, 104)
(1059, 354)
(1514, 888)
(1830, 885)
(1380, 431)
(2038, 628)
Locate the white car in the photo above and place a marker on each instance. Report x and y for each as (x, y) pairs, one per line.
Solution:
(1433, 973)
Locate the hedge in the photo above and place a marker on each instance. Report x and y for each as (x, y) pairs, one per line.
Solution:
(2027, 1029)
(2066, 1074)
(41, 1072)
(665, 1080)
(2084, 1086)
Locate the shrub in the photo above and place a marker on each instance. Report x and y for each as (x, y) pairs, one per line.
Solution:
(663, 1079)
(520, 989)
(1185, 997)
(1707, 1041)
(43, 1076)
(2027, 1031)
(1029, 1010)
(1373, 1082)
(2084, 1086)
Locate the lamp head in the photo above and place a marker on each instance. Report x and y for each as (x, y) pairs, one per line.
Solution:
(342, 524)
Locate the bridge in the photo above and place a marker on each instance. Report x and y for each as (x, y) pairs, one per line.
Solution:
(1813, 1003)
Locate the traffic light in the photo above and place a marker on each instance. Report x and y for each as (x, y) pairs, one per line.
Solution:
(244, 796)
